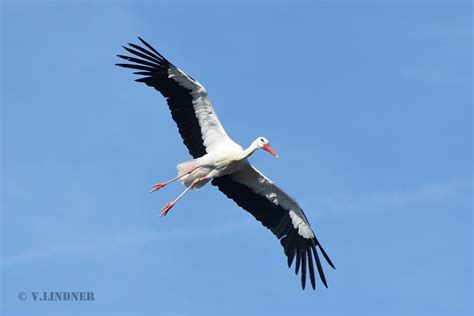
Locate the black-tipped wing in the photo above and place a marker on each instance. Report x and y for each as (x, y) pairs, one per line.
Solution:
(187, 99)
(278, 212)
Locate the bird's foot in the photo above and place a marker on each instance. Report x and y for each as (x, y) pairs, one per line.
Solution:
(167, 208)
(157, 186)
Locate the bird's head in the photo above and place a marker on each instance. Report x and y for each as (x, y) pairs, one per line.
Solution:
(263, 143)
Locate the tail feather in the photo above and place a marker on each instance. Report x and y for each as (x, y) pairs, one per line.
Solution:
(199, 173)
(183, 169)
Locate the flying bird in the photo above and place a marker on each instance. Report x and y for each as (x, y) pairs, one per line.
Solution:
(223, 162)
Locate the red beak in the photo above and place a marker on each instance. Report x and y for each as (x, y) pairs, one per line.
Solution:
(269, 148)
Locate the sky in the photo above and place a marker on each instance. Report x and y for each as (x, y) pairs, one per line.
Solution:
(369, 105)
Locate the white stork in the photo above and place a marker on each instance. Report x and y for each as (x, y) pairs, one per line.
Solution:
(217, 158)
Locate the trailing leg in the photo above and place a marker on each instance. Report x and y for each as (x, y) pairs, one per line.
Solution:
(158, 186)
(168, 206)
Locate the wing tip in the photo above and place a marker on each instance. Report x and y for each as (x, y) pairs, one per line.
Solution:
(304, 262)
(153, 49)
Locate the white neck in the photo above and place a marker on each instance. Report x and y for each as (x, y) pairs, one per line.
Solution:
(250, 150)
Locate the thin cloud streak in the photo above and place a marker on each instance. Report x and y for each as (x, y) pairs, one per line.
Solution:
(123, 239)
(453, 193)
(437, 194)
(435, 74)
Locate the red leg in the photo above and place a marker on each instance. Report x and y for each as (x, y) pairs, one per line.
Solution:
(158, 186)
(168, 206)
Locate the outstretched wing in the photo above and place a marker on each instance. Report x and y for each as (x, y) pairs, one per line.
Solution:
(187, 99)
(278, 212)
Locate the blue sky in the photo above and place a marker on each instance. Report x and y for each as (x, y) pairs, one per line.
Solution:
(368, 104)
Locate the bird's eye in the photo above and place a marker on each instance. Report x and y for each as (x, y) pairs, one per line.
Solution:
(261, 139)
